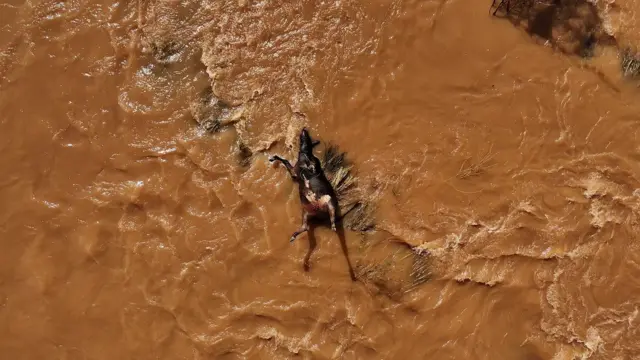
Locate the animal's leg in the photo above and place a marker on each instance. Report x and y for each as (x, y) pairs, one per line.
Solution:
(332, 215)
(304, 228)
(286, 164)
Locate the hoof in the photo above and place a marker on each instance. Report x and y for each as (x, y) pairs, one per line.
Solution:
(272, 158)
(291, 239)
(333, 227)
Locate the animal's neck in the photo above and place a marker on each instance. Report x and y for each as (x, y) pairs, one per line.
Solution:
(310, 176)
(305, 155)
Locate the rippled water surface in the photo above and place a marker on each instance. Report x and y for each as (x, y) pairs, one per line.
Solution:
(496, 158)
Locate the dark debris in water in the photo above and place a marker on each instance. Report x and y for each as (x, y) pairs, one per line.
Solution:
(574, 27)
(244, 154)
(630, 63)
(588, 46)
(510, 6)
(166, 52)
(212, 126)
(211, 113)
(394, 273)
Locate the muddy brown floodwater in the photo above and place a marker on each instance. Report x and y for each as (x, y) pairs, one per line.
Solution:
(495, 160)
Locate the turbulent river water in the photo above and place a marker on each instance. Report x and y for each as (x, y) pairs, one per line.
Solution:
(494, 159)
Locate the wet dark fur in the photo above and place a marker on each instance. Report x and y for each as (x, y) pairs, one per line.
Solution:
(313, 185)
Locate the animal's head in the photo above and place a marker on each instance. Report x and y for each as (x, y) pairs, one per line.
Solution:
(306, 143)
(309, 165)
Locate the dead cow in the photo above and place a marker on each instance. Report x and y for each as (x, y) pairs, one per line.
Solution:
(316, 194)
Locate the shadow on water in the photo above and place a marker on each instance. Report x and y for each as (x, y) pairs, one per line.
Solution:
(311, 235)
(571, 26)
(345, 250)
(313, 244)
